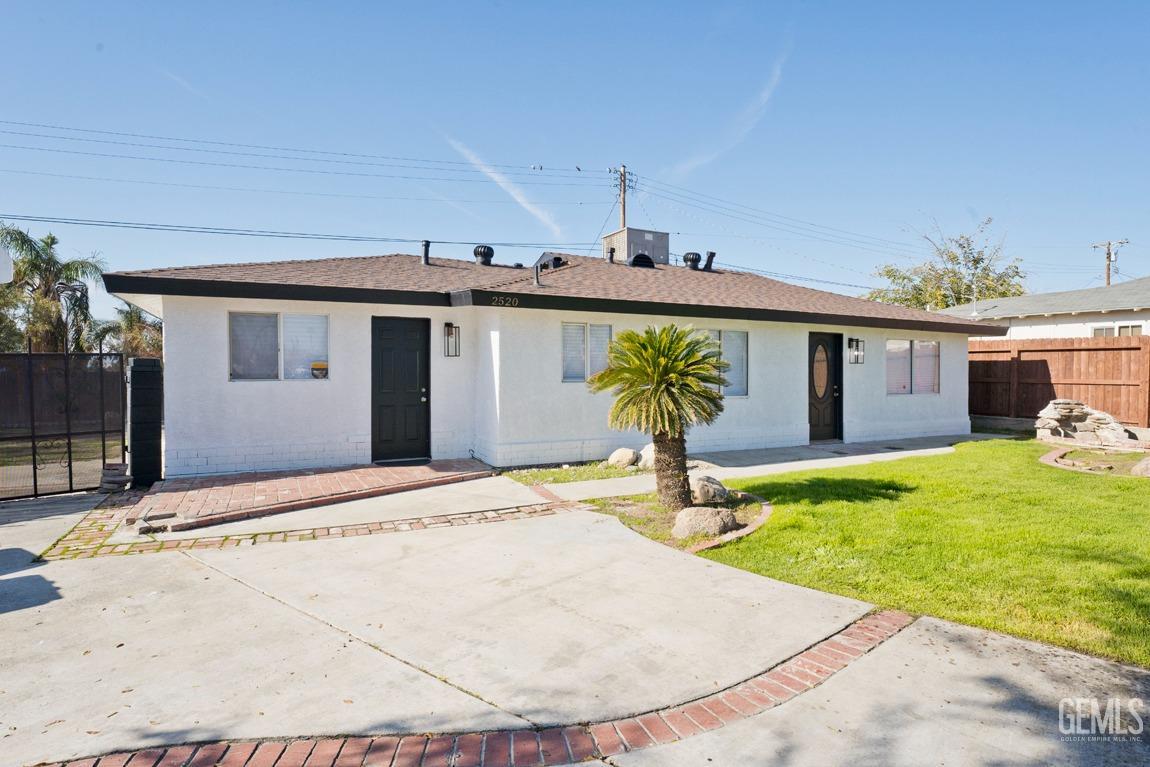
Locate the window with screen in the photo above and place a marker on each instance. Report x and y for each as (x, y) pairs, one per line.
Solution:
(734, 344)
(584, 350)
(1129, 330)
(898, 379)
(1106, 332)
(254, 346)
(912, 367)
(305, 346)
(924, 367)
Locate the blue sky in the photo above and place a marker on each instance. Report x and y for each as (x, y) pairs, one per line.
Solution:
(871, 122)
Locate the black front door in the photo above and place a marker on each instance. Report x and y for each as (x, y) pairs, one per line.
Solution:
(400, 390)
(825, 375)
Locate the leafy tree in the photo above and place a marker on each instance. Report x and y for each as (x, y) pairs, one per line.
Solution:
(11, 313)
(134, 333)
(38, 269)
(664, 381)
(961, 269)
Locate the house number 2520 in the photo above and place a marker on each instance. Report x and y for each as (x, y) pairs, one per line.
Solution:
(504, 301)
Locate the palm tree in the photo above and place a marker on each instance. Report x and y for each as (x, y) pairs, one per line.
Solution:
(38, 271)
(664, 381)
(134, 331)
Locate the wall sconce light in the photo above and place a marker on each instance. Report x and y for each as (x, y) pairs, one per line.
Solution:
(450, 340)
(856, 351)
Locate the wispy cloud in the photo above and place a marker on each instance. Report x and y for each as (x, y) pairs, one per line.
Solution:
(187, 86)
(740, 127)
(452, 203)
(507, 185)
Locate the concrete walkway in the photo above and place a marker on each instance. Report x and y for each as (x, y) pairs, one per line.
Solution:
(735, 464)
(549, 620)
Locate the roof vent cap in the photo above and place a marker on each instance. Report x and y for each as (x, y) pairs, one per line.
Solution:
(643, 261)
(692, 260)
(484, 254)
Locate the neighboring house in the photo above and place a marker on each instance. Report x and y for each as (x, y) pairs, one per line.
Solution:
(341, 361)
(1118, 310)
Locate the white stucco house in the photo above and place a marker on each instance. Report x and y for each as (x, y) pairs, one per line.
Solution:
(342, 361)
(1117, 310)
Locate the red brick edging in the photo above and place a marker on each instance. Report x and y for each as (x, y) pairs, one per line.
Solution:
(89, 539)
(536, 748)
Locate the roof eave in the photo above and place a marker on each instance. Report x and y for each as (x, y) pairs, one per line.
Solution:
(175, 286)
(478, 297)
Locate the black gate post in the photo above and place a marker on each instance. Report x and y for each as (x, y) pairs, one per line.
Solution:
(145, 420)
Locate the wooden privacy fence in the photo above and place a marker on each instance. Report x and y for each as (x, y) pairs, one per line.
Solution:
(1017, 378)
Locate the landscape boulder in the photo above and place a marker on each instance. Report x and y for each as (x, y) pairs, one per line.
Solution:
(706, 490)
(647, 457)
(1142, 468)
(1073, 419)
(703, 520)
(623, 457)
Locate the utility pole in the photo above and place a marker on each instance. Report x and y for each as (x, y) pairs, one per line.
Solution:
(622, 196)
(1111, 254)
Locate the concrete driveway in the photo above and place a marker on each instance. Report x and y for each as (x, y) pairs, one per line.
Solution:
(540, 621)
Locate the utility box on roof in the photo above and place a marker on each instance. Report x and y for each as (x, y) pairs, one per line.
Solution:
(630, 242)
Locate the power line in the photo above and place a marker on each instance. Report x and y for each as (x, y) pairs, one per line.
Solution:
(259, 146)
(277, 234)
(314, 171)
(832, 239)
(233, 153)
(684, 191)
(784, 275)
(602, 228)
(285, 191)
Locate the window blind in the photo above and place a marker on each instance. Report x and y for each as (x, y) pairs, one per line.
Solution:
(898, 367)
(925, 367)
(574, 352)
(254, 346)
(305, 342)
(598, 340)
(735, 354)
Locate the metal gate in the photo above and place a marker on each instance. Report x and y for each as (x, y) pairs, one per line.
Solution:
(61, 420)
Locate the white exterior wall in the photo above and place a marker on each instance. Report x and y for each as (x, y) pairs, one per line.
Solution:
(503, 399)
(213, 425)
(544, 420)
(1069, 326)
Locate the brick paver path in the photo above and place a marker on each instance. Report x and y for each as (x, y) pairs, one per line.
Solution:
(535, 748)
(185, 503)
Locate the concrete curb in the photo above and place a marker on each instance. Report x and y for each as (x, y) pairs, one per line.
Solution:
(735, 535)
(539, 748)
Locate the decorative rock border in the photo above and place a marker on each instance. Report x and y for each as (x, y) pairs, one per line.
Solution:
(545, 747)
(734, 535)
(1054, 457)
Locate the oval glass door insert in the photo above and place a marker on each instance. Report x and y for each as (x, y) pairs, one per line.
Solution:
(819, 371)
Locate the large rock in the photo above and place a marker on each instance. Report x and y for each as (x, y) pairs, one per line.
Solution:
(705, 490)
(623, 457)
(1073, 419)
(647, 457)
(703, 520)
(1142, 468)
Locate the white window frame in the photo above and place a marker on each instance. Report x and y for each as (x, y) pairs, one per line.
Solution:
(717, 334)
(279, 346)
(586, 348)
(1115, 328)
(912, 392)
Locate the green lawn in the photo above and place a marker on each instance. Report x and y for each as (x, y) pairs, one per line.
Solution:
(986, 536)
(572, 473)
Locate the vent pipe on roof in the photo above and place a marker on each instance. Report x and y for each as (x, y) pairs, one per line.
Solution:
(426, 253)
(610, 255)
(710, 261)
(484, 254)
(692, 259)
(538, 268)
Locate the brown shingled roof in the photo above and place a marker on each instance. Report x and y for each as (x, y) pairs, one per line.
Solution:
(589, 283)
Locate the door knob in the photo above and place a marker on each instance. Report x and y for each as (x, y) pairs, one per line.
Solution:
(423, 399)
